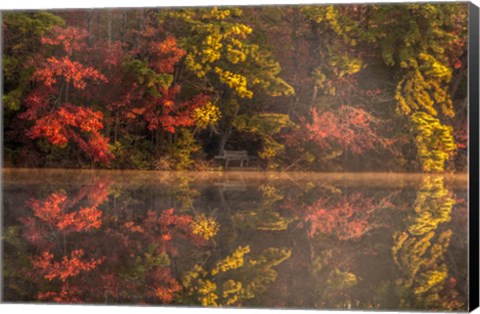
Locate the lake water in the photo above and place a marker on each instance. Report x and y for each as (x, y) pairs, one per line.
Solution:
(262, 240)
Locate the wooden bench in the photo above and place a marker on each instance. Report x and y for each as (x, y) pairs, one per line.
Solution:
(235, 155)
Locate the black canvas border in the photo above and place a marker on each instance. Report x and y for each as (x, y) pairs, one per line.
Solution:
(473, 94)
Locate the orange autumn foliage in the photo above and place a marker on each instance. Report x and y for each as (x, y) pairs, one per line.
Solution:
(53, 211)
(348, 128)
(71, 71)
(45, 265)
(345, 218)
(59, 82)
(71, 266)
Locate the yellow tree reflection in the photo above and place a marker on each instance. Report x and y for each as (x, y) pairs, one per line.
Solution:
(233, 279)
(420, 250)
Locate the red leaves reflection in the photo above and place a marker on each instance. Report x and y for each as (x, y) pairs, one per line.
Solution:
(68, 267)
(346, 218)
(161, 285)
(53, 211)
(56, 225)
(82, 254)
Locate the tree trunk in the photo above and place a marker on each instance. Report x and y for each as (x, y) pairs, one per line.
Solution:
(140, 26)
(90, 27)
(67, 85)
(458, 79)
(227, 132)
(314, 96)
(224, 139)
(109, 28)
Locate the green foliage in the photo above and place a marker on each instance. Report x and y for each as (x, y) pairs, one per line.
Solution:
(11, 236)
(421, 40)
(332, 18)
(12, 99)
(144, 263)
(340, 35)
(34, 23)
(147, 77)
(265, 126)
(131, 152)
(262, 220)
(22, 34)
(183, 149)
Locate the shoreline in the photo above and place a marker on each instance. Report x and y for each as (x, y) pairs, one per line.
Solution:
(59, 175)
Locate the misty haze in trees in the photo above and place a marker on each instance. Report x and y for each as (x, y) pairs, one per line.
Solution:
(322, 87)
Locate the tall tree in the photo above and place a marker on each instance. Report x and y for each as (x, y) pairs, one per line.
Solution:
(57, 104)
(424, 45)
(223, 60)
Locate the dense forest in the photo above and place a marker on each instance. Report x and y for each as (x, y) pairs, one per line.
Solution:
(358, 87)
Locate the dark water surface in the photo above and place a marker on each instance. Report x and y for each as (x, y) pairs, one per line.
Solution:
(276, 240)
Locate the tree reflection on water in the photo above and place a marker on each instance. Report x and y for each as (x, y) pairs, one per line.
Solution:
(419, 251)
(266, 242)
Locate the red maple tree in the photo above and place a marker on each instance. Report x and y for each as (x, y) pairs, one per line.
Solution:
(56, 105)
(150, 97)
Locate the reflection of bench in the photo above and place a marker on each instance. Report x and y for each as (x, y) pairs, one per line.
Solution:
(232, 186)
(235, 155)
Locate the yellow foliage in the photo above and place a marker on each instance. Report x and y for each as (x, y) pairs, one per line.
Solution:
(216, 43)
(231, 289)
(342, 280)
(205, 227)
(207, 289)
(237, 82)
(434, 141)
(433, 206)
(234, 55)
(421, 41)
(191, 276)
(425, 87)
(233, 261)
(218, 288)
(420, 252)
(194, 282)
(216, 14)
(206, 116)
(430, 279)
(435, 68)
